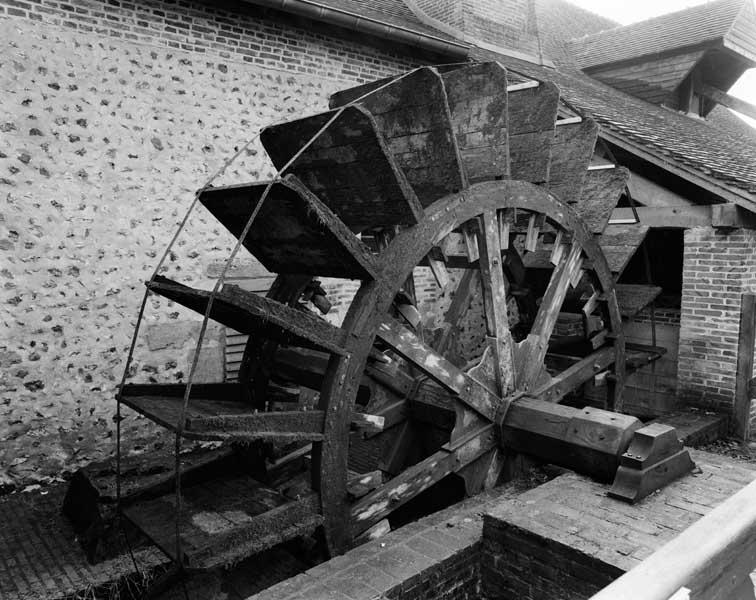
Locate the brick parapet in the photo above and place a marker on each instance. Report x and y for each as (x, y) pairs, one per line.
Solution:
(718, 267)
(433, 558)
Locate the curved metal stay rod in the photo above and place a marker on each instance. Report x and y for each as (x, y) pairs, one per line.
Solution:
(219, 282)
(142, 306)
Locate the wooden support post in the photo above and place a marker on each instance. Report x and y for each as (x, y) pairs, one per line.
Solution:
(744, 371)
(736, 104)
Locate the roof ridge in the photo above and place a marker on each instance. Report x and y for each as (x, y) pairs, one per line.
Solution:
(696, 25)
(707, 4)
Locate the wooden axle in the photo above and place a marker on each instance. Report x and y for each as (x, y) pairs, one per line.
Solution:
(588, 440)
(605, 445)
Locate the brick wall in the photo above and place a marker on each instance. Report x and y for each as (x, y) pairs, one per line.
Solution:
(113, 114)
(508, 24)
(718, 267)
(446, 11)
(517, 564)
(438, 557)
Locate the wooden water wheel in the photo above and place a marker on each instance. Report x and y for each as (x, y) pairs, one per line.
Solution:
(456, 176)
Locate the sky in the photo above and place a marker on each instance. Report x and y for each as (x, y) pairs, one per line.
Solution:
(639, 10)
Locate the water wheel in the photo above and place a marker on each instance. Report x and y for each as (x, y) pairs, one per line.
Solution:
(454, 176)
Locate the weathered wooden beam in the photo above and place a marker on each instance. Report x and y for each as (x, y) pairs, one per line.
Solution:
(387, 498)
(633, 298)
(532, 350)
(360, 484)
(367, 422)
(427, 360)
(495, 302)
(479, 116)
(682, 217)
(576, 375)
(744, 369)
(589, 441)
(651, 194)
(392, 414)
(731, 216)
(725, 99)
(290, 425)
(467, 287)
(249, 313)
(437, 264)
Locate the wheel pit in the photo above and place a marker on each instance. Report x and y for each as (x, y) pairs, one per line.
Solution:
(562, 539)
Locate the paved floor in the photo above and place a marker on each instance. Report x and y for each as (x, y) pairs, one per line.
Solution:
(576, 511)
(40, 558)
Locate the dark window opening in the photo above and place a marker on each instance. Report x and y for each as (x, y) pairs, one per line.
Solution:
(665, 262)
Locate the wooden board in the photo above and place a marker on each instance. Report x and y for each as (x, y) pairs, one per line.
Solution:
(599, 196)
(619, 243)
(532, 113)
(350, 95)
(571, 154)
(744, 370)
(651, 80)
(382, 501)
(478, 104)
(293, 231)
(413, 116)
(633, 298)
(224, 520)
(220, 418)
(348, 166)
(252, 314)
(409, 346)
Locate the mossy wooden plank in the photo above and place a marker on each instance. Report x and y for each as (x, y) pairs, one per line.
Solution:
(223, 520)
(253, 314)
(293, 231)
(347, 165)
(413, 116)
(620, 242)
(571, 155)
(633, 298)
(478, 105)
(532, 113)
(601, 191)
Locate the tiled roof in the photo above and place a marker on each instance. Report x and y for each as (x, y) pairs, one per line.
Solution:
(717, 153)
(693, 26)
(557, 18)
(723, 118)
(689, 143)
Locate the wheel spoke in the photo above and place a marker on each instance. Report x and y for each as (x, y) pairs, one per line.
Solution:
(573, 377)
(426, 359)
(533, 349)
(495, 302)
(383, 501)
(465, 291)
